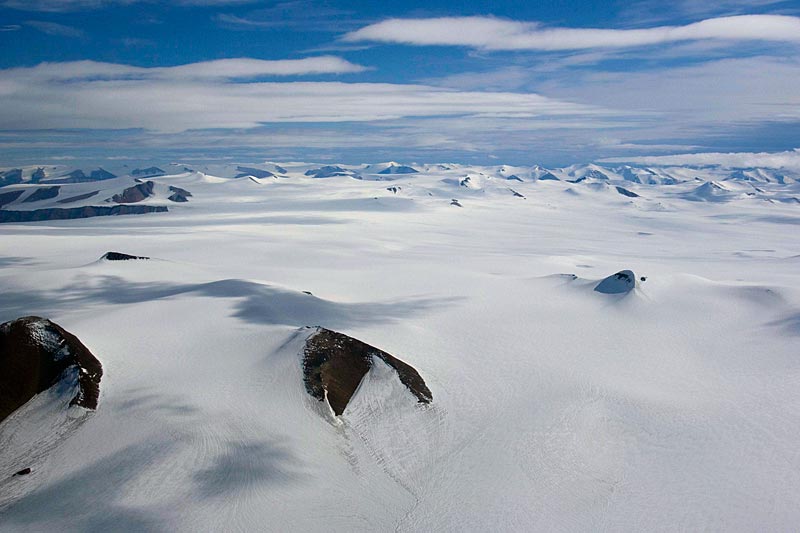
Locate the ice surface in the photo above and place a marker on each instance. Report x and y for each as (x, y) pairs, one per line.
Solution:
(675, 407)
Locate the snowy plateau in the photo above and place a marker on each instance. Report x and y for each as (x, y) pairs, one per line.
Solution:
(607, 348)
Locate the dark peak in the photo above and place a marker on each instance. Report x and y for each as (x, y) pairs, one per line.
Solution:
(34, 354)
(398, 169)
(100, 174)
(178, 194)
(334, 365)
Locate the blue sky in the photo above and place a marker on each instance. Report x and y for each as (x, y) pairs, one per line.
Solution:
(519, 82)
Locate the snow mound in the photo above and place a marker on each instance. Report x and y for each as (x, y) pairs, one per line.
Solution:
(620, 283)
(334, 366)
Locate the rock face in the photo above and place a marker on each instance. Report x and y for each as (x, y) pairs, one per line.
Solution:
(34, 353)
(178, 194)
(255, 172)
(625, 192)
(101, 174)
(38, 175)
(78, 198)
(11, 177)
(62, 213)
(8, 197)
(119, 256)
(134, 194)
(42, 193)
(622, 282)
(334, 365)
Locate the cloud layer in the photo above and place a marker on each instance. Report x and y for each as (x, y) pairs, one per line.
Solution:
(89, 94)
(488, 33)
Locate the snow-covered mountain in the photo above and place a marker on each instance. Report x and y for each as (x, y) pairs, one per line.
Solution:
(314, 346)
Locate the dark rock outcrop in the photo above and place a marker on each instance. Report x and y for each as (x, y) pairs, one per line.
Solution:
(455, 203)
(77, 198)
(34, 353)
(513, 177)
(42, 193)
(255, 172)
(23, 472)
(76, 176)
(134, 194)
(11, 177)
(119, 256)
(516, 194)
(548, 176)
(334, 365)
(178, 194)
(328, 171)
(625, 192)
(393, 190)
(10, 196)
(622, 282)
(67, 213)
(100, 174)
(38, 175)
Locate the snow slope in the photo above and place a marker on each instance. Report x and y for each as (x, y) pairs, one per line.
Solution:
(674, 406)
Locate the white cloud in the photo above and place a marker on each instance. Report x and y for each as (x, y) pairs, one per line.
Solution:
(95, 95)
(490, 33)
(789, 160)
(726, 91)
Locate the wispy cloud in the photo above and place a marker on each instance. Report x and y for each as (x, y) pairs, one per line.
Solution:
(488, 33)
(300, 15)
(776, 160)
(220, 69)
(10, 27)
(54, 28)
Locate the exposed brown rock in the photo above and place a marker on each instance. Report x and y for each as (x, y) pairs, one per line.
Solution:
(34, 353)
(134, 194)
(335, 364)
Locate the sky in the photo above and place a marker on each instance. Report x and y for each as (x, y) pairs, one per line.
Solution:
(548, 82)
